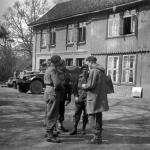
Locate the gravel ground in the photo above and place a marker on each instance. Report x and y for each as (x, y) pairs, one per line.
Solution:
(126, 124)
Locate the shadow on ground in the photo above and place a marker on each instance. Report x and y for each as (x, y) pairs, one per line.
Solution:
(21, 122)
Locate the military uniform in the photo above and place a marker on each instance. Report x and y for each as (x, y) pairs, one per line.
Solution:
(80, 103)
(97, 101)
(52, 98)
(65, 95)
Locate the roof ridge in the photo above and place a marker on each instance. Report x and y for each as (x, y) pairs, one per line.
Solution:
(74, 8)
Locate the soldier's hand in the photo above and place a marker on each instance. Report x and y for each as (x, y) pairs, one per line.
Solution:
(66, 103)
(83, 86)
(76, 99)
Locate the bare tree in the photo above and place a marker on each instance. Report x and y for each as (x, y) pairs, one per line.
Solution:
(4, 36)
(7, 59)
(20, 15)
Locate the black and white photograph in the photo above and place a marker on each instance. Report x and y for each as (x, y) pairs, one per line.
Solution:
(74, 74)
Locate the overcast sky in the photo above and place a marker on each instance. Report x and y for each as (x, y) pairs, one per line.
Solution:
(4, 4)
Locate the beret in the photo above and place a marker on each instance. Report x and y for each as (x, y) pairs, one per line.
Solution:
(91, 58)
(55, 59)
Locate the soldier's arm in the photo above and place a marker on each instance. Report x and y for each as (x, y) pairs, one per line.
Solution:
(92, 80)
(55, 79)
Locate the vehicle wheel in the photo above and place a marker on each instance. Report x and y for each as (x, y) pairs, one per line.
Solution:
(36, 87)
(22, 89)
(15, 85)
(10, 85)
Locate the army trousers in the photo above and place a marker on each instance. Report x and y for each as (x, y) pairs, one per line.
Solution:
(79, 108)
(61, 111)
(95, 122)
(52, 109)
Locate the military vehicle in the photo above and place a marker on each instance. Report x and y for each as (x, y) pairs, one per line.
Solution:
(31, 81)
(34, 81)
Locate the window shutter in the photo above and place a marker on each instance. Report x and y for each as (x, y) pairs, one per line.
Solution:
(134, 24)
(84, 33)
(78, 34)
(41, 39)
(121, 24)
(68, 36)
(54, 38)
(110, 25)
(50, 38)
(75, 33)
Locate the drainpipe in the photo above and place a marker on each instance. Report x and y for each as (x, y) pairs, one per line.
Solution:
(35, 50)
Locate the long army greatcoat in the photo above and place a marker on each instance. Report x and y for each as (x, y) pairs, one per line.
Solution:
(96, 91)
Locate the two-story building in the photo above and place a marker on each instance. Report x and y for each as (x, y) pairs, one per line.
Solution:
(117, 32)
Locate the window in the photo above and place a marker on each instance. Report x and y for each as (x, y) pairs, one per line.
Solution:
(113, 68)
(43, 38)
(79, 61)
(52, 37)
(70, 34)
(69, 62)
(129, 22)
(42, 65)
(114, 25)
(42, 61)
(82, 32)
(122, 23)
(127, 25)
(125, 72)
(128, 68)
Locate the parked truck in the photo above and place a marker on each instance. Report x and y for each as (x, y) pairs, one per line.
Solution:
(31, 81)
(34, 81)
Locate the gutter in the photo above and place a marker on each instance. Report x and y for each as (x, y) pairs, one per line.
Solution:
(119, 53)
(87, 13)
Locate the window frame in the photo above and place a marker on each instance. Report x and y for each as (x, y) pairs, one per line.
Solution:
(70, 29)
(80, 59)
(67, 61)
(52, 37)
(81, 28)
(43, 41)
(112, 68)
(121, 16)
(128, 69)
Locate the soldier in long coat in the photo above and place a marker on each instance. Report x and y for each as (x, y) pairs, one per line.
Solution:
(96, 98)
(52, 97)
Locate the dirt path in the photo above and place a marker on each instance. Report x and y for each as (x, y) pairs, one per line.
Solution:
(126, 125)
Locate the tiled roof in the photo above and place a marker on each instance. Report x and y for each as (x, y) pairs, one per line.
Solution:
(78, 7)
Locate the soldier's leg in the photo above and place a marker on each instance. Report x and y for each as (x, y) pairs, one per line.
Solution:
(44, 124)
(99, 124)
(95, 122)
(52, 115)
(61, 116)
(76, 117)
(84, 117)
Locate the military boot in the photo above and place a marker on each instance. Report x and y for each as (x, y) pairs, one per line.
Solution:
(74, 131)
(51, 138)
(61, 127)
(83, 132)
(97, 139)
